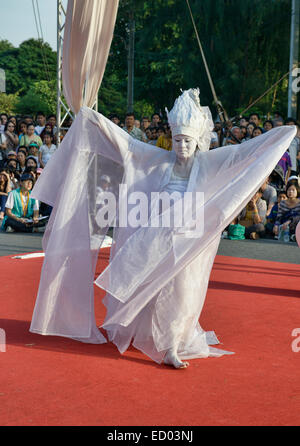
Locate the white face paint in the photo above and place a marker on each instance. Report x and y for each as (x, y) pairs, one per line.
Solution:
(184, 146)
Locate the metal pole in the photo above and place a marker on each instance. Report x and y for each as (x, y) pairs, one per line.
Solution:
(294, 52)
(58, 72)
(130, 84)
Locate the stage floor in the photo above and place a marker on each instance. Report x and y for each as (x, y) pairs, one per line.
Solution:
(252, 305)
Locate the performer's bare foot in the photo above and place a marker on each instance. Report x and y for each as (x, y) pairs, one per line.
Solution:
(171, 358)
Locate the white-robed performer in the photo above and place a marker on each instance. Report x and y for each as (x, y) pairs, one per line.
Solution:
(157, 278)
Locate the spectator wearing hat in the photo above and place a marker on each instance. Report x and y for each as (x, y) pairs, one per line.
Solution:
(33, 151)
(30, 136)
(46, 150)
(20, 207)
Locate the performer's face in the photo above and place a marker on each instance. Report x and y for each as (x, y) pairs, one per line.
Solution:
(184, 146)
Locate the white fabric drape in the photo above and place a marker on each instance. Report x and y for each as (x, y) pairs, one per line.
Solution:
(88, 34)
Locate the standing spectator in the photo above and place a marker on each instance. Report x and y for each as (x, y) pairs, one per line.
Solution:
(165, 140)
(115, 119)
(12, 139)
(3, 147)
(255, 119)
(33, 151)
(40, 121)
(243, 121)
(145, 123)
(3, 121)
(30, 136)
(294, 148)
(155, 120)
(22, 129)
(47, 150)
(137, 124)
(285, 163)
(131, 129)
(52, 120)
(5, 188)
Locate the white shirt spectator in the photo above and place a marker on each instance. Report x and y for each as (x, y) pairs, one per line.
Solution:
(39, 129)
(47, 152)
(10, 202)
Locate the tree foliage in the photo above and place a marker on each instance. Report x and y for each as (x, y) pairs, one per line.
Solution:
(246, 45)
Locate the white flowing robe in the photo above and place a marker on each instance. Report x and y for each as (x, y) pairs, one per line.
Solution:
(157, 278)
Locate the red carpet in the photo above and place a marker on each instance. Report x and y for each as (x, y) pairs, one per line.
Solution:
(253, 306)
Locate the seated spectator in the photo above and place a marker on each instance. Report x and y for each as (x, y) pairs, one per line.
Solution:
(5, 188)
(253, 217)
(12, 139)
(20, 208)
(288, 215)
(165, 140)
(14, 177)
(236, 231)
(269, 195)
(268, 125)
(234, 136)
(30, 137)
(243, 132)
(47, 150)
(250, 128)
(33, 150)
(153, 137)
(12, 163)
(31, 161)
(273, 214)
(277, 179)
(40, 122)
(256, 132)
(21, 157)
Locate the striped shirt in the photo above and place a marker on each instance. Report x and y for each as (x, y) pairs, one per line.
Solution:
(286, 213)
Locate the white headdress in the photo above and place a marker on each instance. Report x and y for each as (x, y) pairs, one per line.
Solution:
(187, 117)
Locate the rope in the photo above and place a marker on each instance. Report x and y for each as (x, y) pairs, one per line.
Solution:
(219, 106)
(41, 39)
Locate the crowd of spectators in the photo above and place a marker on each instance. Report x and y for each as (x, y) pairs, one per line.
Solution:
(27, 144)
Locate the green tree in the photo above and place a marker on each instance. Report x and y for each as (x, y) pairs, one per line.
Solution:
(41, 96)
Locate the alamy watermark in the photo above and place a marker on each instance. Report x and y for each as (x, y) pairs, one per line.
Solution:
(2, 340)
(185, 211)
(296, 81)
(296, 342)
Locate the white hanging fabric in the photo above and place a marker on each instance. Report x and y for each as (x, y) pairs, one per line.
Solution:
(88, 34)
